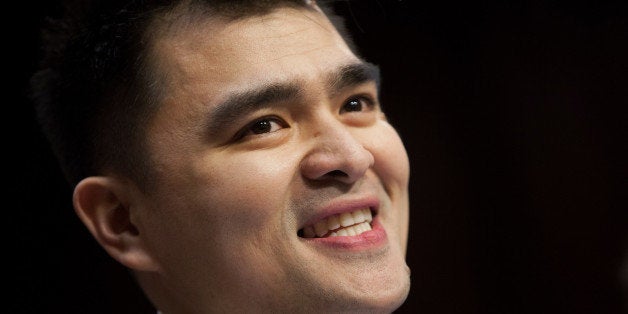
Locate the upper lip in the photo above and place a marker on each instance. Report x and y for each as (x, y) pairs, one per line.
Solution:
(343, 205)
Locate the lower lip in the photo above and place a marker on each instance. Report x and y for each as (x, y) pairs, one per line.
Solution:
(374, 238)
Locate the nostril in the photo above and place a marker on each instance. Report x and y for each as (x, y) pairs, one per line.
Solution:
(337, 174)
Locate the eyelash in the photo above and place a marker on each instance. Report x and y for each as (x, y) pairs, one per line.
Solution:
(366, 99)
(247, 130)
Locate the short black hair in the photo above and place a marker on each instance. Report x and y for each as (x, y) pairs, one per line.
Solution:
(94, 92)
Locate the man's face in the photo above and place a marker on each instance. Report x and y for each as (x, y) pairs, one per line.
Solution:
(270, 132)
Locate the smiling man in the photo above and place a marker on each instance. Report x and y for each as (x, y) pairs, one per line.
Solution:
(233, 155)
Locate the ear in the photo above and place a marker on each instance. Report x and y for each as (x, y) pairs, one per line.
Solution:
(104, 205)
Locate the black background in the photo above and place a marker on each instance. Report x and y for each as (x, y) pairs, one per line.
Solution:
(513, 117)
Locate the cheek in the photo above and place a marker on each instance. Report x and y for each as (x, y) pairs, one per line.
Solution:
(391, 159)
(245, 189)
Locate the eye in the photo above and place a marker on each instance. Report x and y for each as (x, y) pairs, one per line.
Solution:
(262, 126)
(356, 104)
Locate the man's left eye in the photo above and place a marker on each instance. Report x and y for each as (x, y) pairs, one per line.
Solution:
(356, 104)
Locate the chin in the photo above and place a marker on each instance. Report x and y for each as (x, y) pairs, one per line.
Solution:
(390, 300)
(381, 297)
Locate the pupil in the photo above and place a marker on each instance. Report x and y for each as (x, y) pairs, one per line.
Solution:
(260, 127)
(353, 105)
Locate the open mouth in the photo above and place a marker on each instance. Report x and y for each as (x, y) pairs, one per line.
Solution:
(345, 224)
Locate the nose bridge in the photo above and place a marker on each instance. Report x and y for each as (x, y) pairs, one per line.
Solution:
(336, 152)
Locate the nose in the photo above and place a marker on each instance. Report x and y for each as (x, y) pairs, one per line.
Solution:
(336, 155)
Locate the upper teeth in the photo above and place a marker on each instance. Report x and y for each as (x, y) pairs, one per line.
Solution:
(345, 224)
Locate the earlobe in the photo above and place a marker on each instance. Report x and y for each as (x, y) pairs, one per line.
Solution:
(104, 205)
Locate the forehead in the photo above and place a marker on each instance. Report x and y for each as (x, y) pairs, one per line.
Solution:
(285, 43)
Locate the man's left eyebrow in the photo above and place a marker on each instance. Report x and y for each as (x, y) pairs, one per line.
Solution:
(353, 74)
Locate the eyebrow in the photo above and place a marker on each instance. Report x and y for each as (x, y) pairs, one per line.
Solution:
(352, 75)
(243, 102)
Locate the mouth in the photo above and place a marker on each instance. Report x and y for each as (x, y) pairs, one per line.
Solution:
(340, 225)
